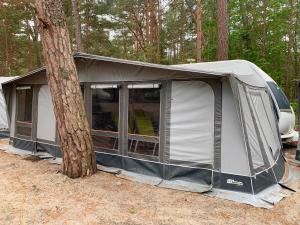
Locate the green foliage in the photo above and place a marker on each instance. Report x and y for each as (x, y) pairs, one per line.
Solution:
(265, 32)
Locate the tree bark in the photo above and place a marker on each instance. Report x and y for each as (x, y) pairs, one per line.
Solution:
(296, 46)
(7, 47)
(222, 27)
(158, 31)
(77, 26)
(181, 31)
(73, 127)
(35, 39)
(265, 27)
(151, 28)
(199, 43)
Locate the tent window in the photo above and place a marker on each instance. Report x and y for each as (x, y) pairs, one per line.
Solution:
(281, 99)
(105, 116)
(264, 115)
(143, 119)
(24, 111)
(252, 135)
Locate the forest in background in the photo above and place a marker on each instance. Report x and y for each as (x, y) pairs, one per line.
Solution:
(265, 32)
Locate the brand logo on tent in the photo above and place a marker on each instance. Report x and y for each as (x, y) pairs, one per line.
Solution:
(238, 183)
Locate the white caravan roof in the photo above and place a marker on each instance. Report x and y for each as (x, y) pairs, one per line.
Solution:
(243, 70)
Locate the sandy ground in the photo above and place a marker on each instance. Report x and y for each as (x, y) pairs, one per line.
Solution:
(34, 193)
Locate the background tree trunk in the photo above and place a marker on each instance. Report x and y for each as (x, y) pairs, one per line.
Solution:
(296, 46)
(199, 31)
(150, 28)
(72, 124)
(158, 31)
(222, 27)
(181, 31)
(77, 26)
(265, 27)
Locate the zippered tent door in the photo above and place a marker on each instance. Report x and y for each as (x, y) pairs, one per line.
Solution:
(192, 127)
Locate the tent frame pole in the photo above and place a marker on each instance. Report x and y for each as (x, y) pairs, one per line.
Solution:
(297, 157)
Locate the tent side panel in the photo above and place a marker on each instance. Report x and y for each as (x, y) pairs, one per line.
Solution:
(13, 113)
(264, 115)
(255, 146)
(265, 179)
(232, 141)
(46, 120)
(192, 122)
(3, 111)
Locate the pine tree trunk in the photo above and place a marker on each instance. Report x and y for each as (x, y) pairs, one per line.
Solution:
(30, 47)
(77, 26)
(265, 27)
(222, 26)
(181, 32)
(7, 47)
(148, 37)
(158, 31)
(35, 40)
(290, 64)
(289, 74)
(296, 38)
(199, 31)
(296, 46)
(151, 28)
(72, 123)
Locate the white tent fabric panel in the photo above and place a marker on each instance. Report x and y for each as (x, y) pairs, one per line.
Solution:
(5, 79)
(232, 143)
(273, 134)
(192, 122)
(46, 120)
(254, 145)
(265, 122)
(3, 113)
(3, 107)
(13, 113)
(256, 104)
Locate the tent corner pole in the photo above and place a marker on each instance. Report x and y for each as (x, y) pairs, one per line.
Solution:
(297, 157)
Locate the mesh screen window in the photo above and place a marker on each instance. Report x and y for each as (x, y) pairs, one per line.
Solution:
(143, 119)
(105, 116)
(24, 111)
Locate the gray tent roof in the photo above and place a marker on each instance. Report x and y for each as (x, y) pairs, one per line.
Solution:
(85, 56)
(243, 70)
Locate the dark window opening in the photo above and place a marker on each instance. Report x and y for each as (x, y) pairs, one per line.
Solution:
(82, 90)
(105, 117)
(24, 111)
(281, 99)
(143, 120)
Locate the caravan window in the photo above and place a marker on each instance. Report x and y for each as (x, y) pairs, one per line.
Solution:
(143, 119)
(24, 111)
(281, 99)
(105, 116)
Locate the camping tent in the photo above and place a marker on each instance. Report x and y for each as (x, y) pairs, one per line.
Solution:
(3, 109)
(202, 125)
